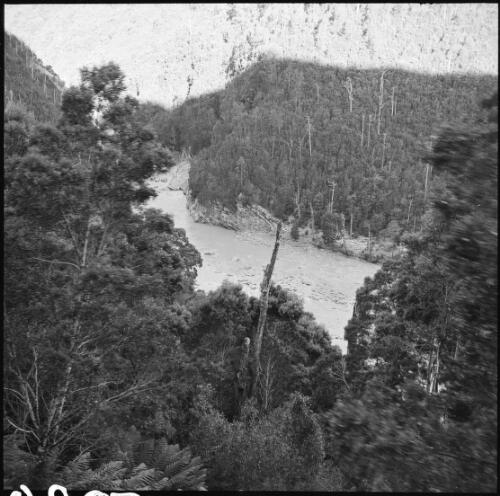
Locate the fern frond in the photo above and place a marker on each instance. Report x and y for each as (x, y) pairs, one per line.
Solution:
(144, 453)
(138, 469)
(161, 485)
(142, 481)
(79, 465)
(110, 470)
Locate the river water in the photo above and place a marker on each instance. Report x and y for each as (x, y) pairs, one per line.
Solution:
(324, 280)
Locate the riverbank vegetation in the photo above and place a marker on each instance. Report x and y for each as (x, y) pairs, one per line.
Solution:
(119, 375)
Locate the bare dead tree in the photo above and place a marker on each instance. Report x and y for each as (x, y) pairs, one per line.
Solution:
(370, 117)
(348, 87)
(339, 372)
(309, 133)
(380, 100)
(433, 368)
(362, 129)
(383, 150)
(264, 301)
(409, 209)
(369, 239)
(297, 202)
(426, 178)
(332, 185)
(267, 383)
(312, 215)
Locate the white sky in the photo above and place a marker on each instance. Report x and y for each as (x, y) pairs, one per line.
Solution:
(159, 45)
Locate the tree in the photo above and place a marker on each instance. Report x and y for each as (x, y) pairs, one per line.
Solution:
(91, 264)
(282, 450)
(266, 115)
(264, 297)
(142, 465)
(422, 335)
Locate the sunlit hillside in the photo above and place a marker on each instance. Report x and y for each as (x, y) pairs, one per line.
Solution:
(171, 51)
(29, 81)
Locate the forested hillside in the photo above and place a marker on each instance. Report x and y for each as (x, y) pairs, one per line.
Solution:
(28, 81)
(423, 341)
(336, 148)
(214, 41)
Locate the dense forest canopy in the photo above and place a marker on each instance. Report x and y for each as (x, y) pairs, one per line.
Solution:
(107, 346)
(119, 375)
(320, 142)
(423, 345)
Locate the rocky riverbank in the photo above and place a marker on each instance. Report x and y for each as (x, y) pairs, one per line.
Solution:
(254, 218)
(245, 218)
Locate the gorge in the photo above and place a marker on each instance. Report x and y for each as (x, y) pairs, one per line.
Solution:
(326, 281)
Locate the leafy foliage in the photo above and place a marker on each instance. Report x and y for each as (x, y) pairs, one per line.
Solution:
(422, 339)
(96, 315)
(279, 451)
(149, 465)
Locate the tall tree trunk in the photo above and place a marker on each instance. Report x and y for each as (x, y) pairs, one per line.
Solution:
(309, 133)
(426, 178)
(409, 209)
(297, 204)
(86, 244)
(455, 356)
(362, 129)
(369, 130)
(430, 366)
(268, 384)
(330, 206)
(383, 151)
(434, 370)
(312, 216)
(348, 87)
(369, 240)
(242, 376)
(380, 101)
(264, 300)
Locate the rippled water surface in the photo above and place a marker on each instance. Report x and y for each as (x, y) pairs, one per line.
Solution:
(326, 281)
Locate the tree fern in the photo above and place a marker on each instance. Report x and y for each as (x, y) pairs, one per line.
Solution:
(143, 480)
(149, 465)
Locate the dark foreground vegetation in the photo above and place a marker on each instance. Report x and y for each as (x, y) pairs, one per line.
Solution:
(119, 375)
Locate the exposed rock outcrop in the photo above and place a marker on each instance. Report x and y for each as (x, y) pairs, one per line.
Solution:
(177, 177)
(244, 218)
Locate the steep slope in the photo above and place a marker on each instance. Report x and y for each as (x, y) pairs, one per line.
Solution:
(170, 51)
(29, 81)
(339, 149)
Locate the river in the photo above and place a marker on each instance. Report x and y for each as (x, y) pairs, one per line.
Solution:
(326, 281)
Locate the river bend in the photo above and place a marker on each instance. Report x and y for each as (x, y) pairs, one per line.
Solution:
(326, 281)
